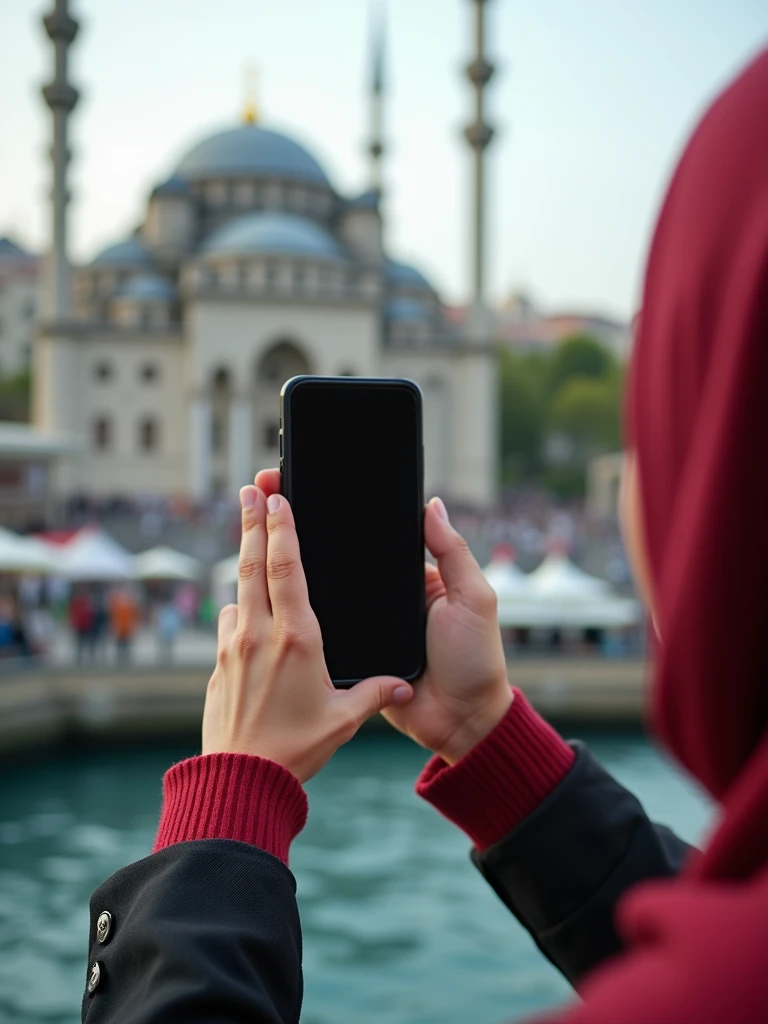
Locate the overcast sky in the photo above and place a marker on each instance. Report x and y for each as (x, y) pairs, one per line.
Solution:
(592, 101)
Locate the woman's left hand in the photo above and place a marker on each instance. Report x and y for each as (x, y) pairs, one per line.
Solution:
(270, 694)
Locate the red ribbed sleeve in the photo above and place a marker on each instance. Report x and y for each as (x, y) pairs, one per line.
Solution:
(501, 780)
(232, 796)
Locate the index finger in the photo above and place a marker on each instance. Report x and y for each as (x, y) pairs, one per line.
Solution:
(286, 581)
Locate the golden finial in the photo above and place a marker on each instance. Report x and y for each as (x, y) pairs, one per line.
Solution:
(251, 107)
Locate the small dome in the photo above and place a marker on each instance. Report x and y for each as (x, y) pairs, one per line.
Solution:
(131, 252)
(147, 288)
(404, 276)
(365, 201)
(406, 309)
(251, 151)
(273, 233)
(173, 186)
(12, 252)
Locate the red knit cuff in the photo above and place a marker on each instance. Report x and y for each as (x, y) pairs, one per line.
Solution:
(502, 779)
(232, 796)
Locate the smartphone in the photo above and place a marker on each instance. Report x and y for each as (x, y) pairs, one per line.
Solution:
(352, 465)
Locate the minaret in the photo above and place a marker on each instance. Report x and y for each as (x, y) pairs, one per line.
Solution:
(476, 419)
(376, 145)
(479, 135)
(61, 97)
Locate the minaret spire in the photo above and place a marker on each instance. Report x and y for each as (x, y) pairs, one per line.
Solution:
(61, 97)
(376, 145)
(251, 113)
(479, 135)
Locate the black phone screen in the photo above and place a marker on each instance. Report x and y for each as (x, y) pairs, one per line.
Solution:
(353, 473)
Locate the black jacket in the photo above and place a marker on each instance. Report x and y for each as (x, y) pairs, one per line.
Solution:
(209, 930)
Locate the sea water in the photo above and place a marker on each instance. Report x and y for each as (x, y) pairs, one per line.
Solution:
(398, 925)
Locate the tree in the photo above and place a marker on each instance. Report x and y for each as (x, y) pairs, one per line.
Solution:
(523, 414)
(15, 397)
(588, 412)
(579, 355)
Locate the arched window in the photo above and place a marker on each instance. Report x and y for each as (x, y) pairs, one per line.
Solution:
(279, 363)
(149, 373)
(102, 434)
(103, 372)
(220, 396)
(149, 434)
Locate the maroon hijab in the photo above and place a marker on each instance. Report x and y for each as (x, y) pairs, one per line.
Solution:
(698, 419)
(697, 946)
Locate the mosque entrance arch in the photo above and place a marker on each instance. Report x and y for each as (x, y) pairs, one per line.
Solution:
(282, 360)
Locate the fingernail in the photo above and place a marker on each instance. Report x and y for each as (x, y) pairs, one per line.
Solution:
(273, 503)
(248, 497)
(441, 510)
(401, 694)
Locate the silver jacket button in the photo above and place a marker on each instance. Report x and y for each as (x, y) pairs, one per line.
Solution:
(94, 977)
(104, 927)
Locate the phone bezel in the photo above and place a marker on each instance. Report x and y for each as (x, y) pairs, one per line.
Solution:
(310, 380)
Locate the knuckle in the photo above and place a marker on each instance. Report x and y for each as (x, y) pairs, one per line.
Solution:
(247, 644)
(281, 565)
(222, 657)
(251, 516)
(486, 599)
(250, 566)
(293, 639)
(347, 725)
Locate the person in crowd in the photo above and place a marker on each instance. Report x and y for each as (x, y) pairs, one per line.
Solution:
(123, 622)
(82, 616)
(6, 626)
(648, 930)
(167, 627)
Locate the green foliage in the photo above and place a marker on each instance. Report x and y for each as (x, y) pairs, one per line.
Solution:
(16, 397)
(523, 415)
(588, 412)
(573, 394)
(579, 355)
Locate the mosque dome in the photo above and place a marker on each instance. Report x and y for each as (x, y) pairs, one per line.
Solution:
(173, 186)
(401, 275)
(147, 288)
(406, 309)
(130, 252)
(251, 151)
(273, 233)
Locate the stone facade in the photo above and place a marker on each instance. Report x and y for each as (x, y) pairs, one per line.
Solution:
(249, 268)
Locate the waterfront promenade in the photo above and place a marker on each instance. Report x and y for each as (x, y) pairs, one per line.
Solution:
(64, 703)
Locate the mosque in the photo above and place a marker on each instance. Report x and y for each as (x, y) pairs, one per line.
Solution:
(161, 360)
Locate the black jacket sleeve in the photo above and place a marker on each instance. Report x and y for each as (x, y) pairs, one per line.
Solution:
(201, 931)
(563, 869)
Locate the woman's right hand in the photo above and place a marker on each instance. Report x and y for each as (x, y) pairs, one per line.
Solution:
(464, 693)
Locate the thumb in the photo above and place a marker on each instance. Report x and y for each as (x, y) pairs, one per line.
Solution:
(459, 571)
(374, 694)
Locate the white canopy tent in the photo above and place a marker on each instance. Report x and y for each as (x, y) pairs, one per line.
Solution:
(24, 555)
(509, 582)
(559, 595)
(558, 578)
(93, 556)
(224, 581)
(164, 563)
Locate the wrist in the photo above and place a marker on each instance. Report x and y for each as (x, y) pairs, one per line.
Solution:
(477, 726)
(232, 796)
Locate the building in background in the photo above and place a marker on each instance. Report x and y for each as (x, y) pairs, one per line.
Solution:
(18, 307)
(163, 358)
(524, 327)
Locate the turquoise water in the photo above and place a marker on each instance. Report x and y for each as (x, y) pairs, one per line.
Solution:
(398, 925)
